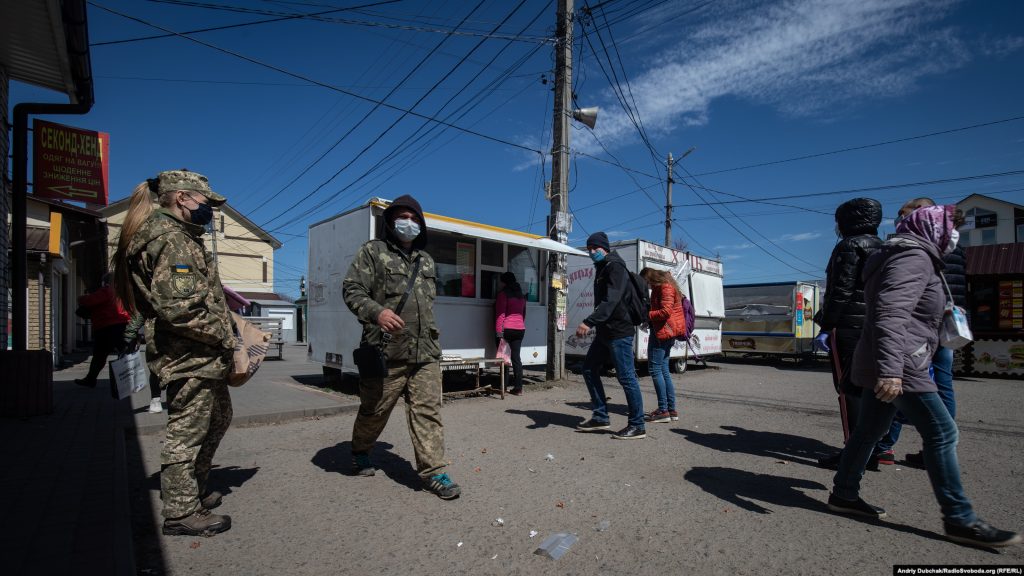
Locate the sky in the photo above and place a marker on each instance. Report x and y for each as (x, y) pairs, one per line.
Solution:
(790, 107)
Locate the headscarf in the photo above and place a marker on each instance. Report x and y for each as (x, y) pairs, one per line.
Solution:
(932, 223)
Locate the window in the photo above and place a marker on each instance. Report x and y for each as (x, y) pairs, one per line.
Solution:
(1020, 232)
(988, 236)
(525, 264)
(455, 257)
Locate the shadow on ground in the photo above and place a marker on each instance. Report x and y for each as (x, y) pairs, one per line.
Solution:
(338, 459)
(787, 447)
(543, 418)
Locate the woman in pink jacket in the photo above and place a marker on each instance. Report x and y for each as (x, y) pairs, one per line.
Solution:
(510, 315)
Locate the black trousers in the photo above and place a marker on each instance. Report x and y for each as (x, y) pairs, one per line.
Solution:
(843, 343)
(515, 343)
(104, 341)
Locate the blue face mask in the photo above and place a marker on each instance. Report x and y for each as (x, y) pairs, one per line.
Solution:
(597, 256)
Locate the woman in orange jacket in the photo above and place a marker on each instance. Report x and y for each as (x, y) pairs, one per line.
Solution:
(667, 321)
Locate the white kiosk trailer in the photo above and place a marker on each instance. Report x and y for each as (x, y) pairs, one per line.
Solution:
(469, 258)
(699, 278)
(774, 319)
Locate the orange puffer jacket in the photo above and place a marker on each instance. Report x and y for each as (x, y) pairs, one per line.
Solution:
(667, 318)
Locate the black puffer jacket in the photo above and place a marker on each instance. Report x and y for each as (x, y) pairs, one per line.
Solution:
(955, 271)
(843, 307)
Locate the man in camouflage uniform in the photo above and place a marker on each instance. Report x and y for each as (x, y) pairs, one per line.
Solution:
(178, 290)
(376, 281)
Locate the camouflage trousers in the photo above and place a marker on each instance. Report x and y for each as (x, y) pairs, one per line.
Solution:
(198, 414)
(420, 386)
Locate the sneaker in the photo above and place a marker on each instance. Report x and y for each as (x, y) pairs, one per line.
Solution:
(980, 533)
(856, 507)
(362, 466)
(673, 414)
(915, 460)
(85, 382)
(156, 406)
(443, 486)
(658, 416)
(630, 433)
(886, 457)
(211, 500)
(516, 391)
(830, 462)
(201, 523)
(592, 426)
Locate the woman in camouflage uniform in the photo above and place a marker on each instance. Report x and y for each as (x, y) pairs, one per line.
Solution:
(164, 272)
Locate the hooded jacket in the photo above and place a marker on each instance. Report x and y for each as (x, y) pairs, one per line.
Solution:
(843, 306)
(378, 278)
(612, 288)
(905, 303)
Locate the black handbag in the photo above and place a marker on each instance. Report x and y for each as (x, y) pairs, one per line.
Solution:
(370, 359)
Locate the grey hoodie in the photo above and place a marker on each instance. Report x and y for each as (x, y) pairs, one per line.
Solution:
(905, 302)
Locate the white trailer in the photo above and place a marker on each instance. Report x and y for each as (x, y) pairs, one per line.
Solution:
(469, 258)
(699, 278)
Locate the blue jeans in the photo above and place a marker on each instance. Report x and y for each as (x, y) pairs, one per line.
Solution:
(942, 373)
(621, 352)
(927, 413)
(658, 352)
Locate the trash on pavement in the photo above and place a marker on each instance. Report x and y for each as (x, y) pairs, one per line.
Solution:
(499, 522)
(550, 457)
(533, 533)
(602, 525)
(556, 545)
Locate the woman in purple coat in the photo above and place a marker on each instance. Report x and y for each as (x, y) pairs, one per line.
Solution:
(905, 304)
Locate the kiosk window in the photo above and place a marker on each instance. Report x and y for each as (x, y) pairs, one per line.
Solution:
(455, 258)
(524, 263)
(492, 254)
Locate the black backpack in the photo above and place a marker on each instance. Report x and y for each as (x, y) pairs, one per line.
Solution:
(639, 302)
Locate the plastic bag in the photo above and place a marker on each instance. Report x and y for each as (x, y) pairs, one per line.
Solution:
(130, 374)
(504, 351)
(250, 350)
(954, 332)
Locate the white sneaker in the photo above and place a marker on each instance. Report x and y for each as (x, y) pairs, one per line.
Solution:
(155, 406)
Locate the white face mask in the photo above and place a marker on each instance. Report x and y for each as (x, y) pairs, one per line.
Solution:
(407, 229)
(954, 237)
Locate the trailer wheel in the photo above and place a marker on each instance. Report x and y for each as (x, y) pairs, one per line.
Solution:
(678, 365)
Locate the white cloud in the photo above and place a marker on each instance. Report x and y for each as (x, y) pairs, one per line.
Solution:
(617, 233)
(805, 57)
(743, 246)
(801, 237)
(731, 256)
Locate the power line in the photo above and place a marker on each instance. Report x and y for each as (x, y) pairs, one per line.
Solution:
(455, 32)
(864, 147)
(316, 82)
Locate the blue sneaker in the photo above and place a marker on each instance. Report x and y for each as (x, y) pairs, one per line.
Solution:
(443, 486)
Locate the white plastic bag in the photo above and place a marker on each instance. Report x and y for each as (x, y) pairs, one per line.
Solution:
(504, 351)
(954, 332)
(130, 374)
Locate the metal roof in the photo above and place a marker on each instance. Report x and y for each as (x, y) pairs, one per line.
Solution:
(34, 46)
(995, 259)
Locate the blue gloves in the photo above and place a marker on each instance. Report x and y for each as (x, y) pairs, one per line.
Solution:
(821, 342)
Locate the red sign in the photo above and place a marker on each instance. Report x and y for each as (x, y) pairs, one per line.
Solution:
(69, 163)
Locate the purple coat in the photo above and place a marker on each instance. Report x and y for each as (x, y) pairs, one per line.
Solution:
(905, 303)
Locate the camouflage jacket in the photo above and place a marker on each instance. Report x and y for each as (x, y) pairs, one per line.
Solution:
(178, 291)
(376, 280)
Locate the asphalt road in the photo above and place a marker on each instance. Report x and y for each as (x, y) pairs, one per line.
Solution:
(730, 488)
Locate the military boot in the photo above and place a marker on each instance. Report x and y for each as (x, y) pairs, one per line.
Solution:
(200, 523)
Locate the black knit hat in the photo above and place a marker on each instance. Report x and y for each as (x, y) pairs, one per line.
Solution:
(599, 240)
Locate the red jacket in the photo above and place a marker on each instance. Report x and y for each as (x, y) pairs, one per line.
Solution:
(104, 308)
(667, 318)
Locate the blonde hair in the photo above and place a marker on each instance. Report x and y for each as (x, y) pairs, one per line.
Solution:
(659, 277)
(139, 210)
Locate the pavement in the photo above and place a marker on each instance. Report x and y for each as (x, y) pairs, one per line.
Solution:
(65, 487)
(730, 488)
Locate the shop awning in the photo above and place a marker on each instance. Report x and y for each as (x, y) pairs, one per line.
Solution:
(487, 232)
(995, 259)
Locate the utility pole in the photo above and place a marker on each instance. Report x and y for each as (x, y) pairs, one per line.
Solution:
(558, 222)
(668, 205)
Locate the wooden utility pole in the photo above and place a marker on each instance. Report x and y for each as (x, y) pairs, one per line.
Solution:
(668, 204)
(558, 221)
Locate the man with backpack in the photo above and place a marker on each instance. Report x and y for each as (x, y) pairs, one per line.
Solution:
(621, 302)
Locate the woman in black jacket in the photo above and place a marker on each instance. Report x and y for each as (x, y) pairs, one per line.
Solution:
(842, 312)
